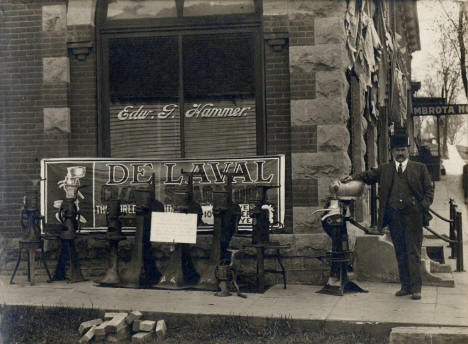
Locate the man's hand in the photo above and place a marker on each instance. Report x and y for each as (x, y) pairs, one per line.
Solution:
(346, 179)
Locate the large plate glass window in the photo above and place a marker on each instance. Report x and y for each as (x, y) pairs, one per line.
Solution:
(219, 96)
(144, 119)
(216, 93)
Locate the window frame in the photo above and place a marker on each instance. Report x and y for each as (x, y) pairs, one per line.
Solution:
(218, 25)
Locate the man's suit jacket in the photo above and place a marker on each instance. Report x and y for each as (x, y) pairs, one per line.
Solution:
(418, 177)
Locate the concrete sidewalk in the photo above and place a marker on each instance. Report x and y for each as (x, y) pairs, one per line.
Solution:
(439, 306)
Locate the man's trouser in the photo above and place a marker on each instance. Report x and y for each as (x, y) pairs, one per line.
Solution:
(406, 231)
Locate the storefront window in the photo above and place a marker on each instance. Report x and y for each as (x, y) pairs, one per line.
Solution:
(217, 95)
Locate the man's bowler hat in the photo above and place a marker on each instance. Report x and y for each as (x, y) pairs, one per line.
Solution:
(399, 140)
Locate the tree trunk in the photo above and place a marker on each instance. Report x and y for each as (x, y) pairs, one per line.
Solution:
(444, 150)
(461, 14)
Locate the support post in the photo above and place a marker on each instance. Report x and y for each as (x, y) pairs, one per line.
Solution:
(452, 228)
(459, 227)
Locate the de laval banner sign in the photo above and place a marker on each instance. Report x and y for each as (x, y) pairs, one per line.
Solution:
(94, 173)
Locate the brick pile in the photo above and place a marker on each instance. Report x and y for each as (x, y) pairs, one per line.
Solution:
(122, 328)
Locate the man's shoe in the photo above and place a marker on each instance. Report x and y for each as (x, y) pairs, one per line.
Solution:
(416, 296)
(402, 292)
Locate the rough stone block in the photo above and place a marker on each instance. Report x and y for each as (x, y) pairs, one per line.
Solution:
(435, 279)
(303, 222)
(330, 30)
(142, 337)
(54, 18)
(429, 335)
(56, 69)
(275, 7)
(317, 8)
(147, 325)
(84, 326)
(57, 120)
(332, 138)
(321, 57)
(88, 336)
(309, 245)
(81, 12)
(331, 84)
(132, 316)
(374, 259)
(320, 164)
(319, 111)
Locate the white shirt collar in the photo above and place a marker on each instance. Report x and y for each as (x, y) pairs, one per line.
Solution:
(403, 165)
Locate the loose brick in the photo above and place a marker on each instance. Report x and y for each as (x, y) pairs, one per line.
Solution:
(102, 329)
(117, 323)
(110, 315)
(142, 337)
(123, 333)
(136, 325)
(147, 325)
(132, 316)
(89, 335)
(84, 326)
(161, 329)
(110, 338)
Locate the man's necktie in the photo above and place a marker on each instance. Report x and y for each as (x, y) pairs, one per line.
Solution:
(400, 169)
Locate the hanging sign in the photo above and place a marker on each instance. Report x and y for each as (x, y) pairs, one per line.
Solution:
(174, 228)
(62, 177)
(440, 109)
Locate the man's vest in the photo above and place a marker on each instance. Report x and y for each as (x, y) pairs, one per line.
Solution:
(400, 195)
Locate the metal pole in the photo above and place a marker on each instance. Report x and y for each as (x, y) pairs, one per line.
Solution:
(460, 267)
(452, 228)
(438, 137)
(373, 205)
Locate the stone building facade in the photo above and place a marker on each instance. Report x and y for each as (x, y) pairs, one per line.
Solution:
(334, 81)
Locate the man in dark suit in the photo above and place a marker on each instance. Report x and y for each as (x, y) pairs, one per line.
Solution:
(405, 194)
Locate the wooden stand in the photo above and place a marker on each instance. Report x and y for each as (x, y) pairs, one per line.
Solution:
(261, 263)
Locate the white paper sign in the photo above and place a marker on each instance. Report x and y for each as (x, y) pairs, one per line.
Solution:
(173, 227)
